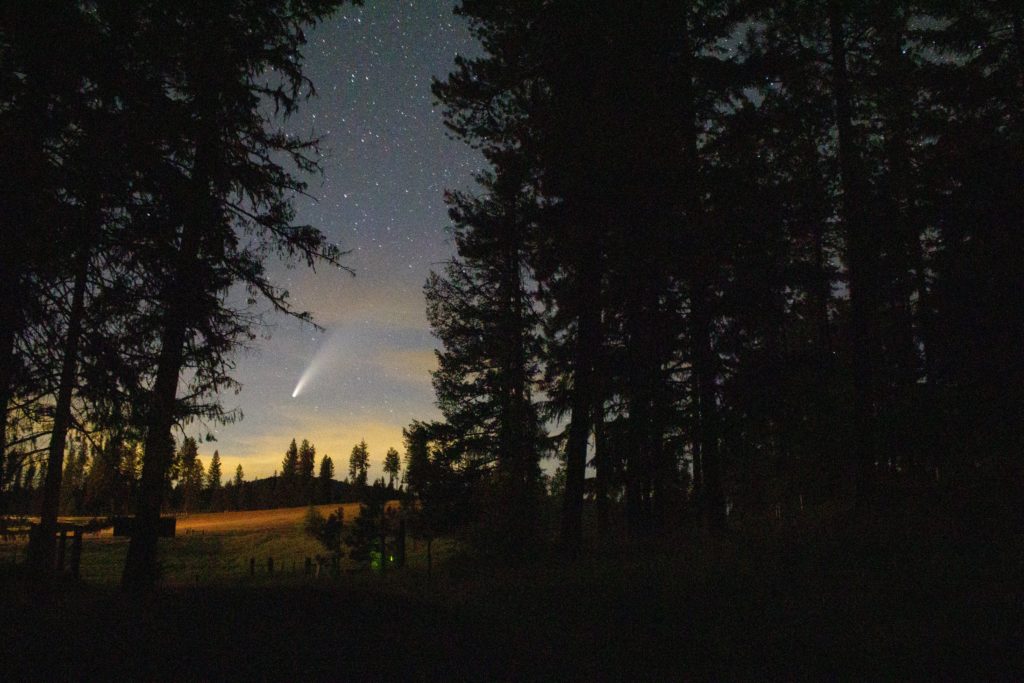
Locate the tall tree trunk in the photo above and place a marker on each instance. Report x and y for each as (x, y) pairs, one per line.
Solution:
(661, 471)
(200, 219)
(518, 458)
(519, 423)
(602, 457)
(645, 393)
(21, 166)
(858, 245)
(639, 460)
(822, 292)
(430, 558)
(698, 465)
(582, 397)
(713, 494)
(141, 566)
(914, 320)
(140, 570)
(1017, 22)
(8, 316)
(43, 542)
(700, 264)
(910, 263)
(603, 468)
(9, 324)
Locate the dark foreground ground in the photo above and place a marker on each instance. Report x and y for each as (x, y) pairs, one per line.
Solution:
(882, 598)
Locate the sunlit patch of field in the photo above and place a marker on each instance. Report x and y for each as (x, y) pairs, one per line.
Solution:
(217, 547)
(241, 520)
(256, 520)
(261, 520)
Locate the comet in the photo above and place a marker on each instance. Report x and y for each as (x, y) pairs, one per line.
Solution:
(316, 364)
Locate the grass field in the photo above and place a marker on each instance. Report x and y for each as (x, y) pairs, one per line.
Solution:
(215, 547)
(932, 594)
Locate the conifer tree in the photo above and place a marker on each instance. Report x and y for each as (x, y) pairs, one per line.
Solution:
(191, 479)
(614, 216)
(358, 464)
(233, 170)
(481, 311)
(306, 465)
(325, 480)
(213, 474)
(237, 483)
(976, 312)
(76, 189)
(391, 466)
(290, 463)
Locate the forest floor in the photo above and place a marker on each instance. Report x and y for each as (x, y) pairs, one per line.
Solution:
(899, 596)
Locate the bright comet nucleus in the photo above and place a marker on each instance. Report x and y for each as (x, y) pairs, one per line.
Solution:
(319, 360)
(305, 378)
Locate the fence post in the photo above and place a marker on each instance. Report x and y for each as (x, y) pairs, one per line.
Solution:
(270, 565)
(76, 553)
(252, 566)
(61, 549)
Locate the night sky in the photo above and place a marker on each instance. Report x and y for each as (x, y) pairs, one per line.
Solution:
(388, 163)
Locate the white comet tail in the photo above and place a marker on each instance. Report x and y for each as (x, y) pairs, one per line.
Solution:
(320, 360)
(304, 379)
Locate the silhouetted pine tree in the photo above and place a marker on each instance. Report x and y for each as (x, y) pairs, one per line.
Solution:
(482, 312)
(238, 483)
(358, 464)
(391, 466)
(37, 105)
(288, 482)
(213, 475)
(325, 480)
(307, 462)
(976, 358)
(81, 179)
(214, 486)
(232, 170)
(191, 474)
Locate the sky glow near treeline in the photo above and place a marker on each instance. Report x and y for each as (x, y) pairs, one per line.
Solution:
(388, 161)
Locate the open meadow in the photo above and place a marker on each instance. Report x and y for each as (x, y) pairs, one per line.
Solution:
(920, 594)
(214, 547)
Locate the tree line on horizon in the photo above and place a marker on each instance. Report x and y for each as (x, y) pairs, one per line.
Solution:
(729, 255)
(104, 481)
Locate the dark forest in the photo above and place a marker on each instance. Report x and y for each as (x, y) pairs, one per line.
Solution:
(731, 346)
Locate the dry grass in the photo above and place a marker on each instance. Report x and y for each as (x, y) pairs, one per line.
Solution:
(262, 520)
(209, 546)
(256, 520)
(243, 520)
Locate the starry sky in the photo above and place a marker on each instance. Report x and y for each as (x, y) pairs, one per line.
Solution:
(388, 161)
